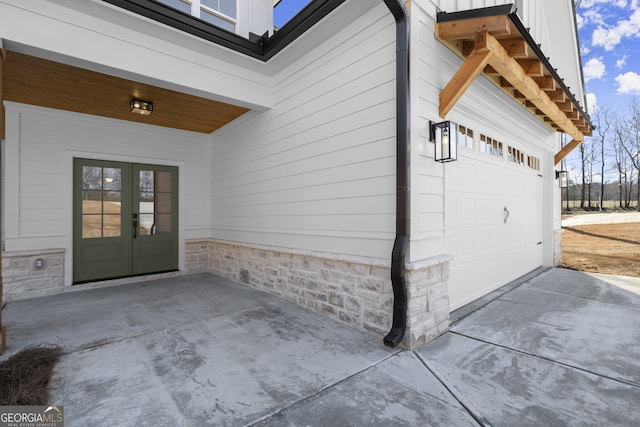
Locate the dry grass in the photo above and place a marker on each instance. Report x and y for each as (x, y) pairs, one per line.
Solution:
(603, 248)
(24, 377)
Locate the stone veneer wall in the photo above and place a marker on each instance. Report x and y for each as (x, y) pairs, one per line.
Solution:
(196, 258)
(557, 247)
(428, 294)
(21, 278)
(354, 290)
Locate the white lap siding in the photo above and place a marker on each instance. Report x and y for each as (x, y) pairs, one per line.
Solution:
(317, 171)
(40, 146)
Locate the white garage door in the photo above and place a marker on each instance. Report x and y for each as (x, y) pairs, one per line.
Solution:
(494, 220)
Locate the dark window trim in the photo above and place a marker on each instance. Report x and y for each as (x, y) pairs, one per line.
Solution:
(259, 48)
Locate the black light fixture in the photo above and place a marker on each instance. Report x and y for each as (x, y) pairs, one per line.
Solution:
(561, 176)
(141, 107)
(445, 136)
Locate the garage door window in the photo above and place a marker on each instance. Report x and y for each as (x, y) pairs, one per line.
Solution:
(465, 137)
(533, 162)
(490, 146)
(515, 156)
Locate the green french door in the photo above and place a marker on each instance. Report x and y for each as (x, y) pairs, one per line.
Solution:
(125, 219)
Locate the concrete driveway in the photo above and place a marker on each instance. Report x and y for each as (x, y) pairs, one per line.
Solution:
(559, 349)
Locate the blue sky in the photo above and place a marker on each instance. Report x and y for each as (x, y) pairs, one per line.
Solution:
(286, 9)
(610, 42)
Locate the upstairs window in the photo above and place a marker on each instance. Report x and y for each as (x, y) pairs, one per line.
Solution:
(221, 13)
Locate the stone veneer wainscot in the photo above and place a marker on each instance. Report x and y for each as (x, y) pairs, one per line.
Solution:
(354, 290)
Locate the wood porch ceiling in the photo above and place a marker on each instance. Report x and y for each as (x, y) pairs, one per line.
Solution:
(505, 53)
(36, 81)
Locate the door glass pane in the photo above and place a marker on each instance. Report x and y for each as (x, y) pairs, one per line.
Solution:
(91, 202)
(111, 226)
(163, 182)
(163, 224)
(101, 202)
(91, 178)
(112, 179)
(163, 203)
(154, 202)
(146, 180)
(91, 226)
(146, 222)
(146, 202)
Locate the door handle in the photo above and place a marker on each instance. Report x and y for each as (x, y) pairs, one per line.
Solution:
(506, 214)
(135, 226)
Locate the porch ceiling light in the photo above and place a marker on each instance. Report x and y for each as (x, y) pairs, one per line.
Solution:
(445, 136)
(141, 107)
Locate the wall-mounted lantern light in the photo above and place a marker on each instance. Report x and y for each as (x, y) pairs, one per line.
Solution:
(445, 136)
(561, 176)
(141, 107)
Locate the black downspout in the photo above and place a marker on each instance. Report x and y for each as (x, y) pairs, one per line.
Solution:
(403, 176)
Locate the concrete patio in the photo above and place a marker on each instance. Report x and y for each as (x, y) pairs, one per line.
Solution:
(562, 348)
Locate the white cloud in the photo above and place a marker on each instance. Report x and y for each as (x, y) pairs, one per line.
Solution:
(628, 83)
(622, 61)
(593, 16)
(594, 69)
(609, 38)
(592, 102)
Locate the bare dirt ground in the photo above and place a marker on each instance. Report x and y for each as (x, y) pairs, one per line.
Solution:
(606, 243)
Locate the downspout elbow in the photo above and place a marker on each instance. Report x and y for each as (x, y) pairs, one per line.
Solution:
(398, 259)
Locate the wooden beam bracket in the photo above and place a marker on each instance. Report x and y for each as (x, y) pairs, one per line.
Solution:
(507, 57)
(465, 75)
(560, 155)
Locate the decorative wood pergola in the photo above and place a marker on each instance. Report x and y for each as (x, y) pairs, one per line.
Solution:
(493, 41)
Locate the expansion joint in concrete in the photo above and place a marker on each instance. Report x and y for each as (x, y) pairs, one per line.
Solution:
(329, 386)
(474, 413)
(554, 361)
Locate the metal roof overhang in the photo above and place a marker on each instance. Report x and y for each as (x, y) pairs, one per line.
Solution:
(494, 42)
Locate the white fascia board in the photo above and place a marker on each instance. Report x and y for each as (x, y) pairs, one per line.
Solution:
(101, 37)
